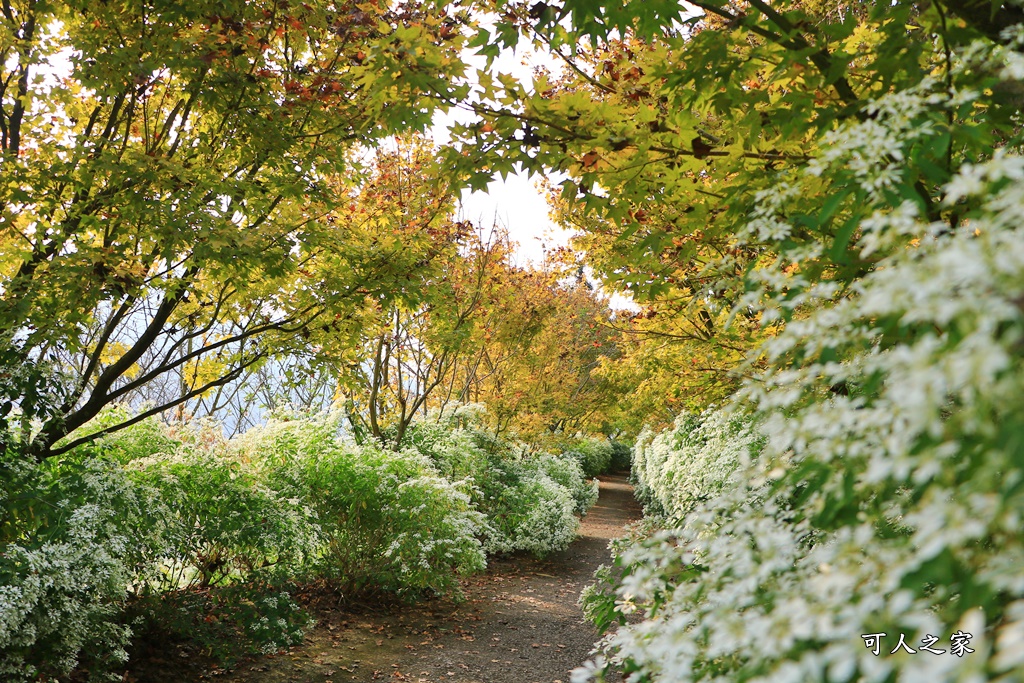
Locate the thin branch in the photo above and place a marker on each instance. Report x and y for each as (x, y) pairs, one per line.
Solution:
(230, 377)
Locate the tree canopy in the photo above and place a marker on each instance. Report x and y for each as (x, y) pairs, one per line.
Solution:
(815, 207)
(175, 177)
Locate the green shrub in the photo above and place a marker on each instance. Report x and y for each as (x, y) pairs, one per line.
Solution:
(622, 457)
(455, 452)
(527, 510)
(593, 454)
(386, 521)
(225, 622)
(529, 499)
(223, 522)
(226, 523)
(197, 535)
(567, 472)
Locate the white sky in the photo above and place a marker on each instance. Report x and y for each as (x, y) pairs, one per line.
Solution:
(517, 202)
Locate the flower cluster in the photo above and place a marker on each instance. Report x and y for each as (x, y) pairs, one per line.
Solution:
(75, 536)
(688, 464)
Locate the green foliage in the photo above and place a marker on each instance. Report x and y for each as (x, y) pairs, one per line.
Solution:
(593, 454)
(225, 622)
(568, 473)
(386, 521)
(622, 457)
(527, 509)
(226, 524)
(179, 178)
(601, 601)
(455, 447)
(530, 498)
(200, 537)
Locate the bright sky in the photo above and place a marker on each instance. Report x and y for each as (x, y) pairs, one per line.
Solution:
(517, 203)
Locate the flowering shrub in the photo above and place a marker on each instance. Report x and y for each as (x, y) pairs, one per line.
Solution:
(386, 521)
(225, 524)
(530, 499)
(225, 621)
(678, 468)
(455, 447)
(888, 498)
(197, 536)
(568, 473)
(601, 602)
(528, 510)
(594, 455)
(674, 472)
(74, 535)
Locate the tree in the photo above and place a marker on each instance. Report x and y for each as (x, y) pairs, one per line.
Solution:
(171, 173)
(674, 128)
(537, 357)
(409, 351)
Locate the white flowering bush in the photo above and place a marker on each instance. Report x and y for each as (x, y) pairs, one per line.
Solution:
(230, 542)
(678, 468)
(674, 471)
(527, 510)
(456, 447)
(225, 523)
(568, 473)
(184, 535)
(530, 499)
(74, 535)
(888, 499)
(532, 513)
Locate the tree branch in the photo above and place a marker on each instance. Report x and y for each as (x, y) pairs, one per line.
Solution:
(230, 377)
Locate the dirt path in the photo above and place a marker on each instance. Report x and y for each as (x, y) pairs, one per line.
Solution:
(520, 623)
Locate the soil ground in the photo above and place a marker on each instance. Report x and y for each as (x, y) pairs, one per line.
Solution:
(519, 623)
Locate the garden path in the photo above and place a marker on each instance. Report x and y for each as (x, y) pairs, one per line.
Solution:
(520, 622)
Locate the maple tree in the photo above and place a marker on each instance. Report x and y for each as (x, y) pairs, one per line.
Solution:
(554, 387)
(536, 359)
(673, 121)
(171, 175)
(481, 330)
(398, 226)
(405, 360)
